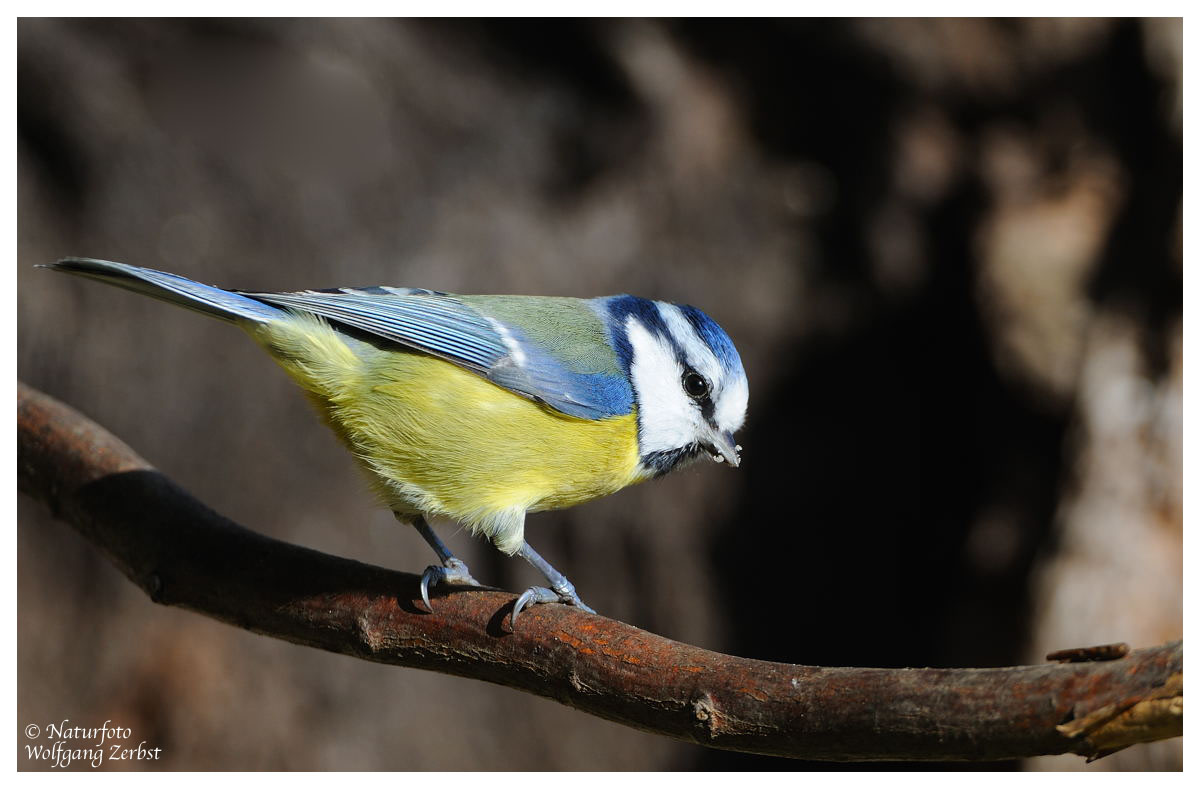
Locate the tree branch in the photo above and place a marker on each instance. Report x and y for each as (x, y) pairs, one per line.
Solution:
(182, 553)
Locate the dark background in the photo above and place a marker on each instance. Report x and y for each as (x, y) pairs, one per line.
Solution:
(950, 252)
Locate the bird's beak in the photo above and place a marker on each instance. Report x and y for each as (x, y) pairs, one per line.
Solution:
(720, 443)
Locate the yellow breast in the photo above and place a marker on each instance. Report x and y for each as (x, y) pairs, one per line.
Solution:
(441, 440)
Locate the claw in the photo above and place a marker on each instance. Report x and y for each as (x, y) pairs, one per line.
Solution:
(455, 571)
(428, 578)
(561, 590)
(536, 595)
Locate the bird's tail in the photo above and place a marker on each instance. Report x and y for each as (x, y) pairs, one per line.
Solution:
(207, 299)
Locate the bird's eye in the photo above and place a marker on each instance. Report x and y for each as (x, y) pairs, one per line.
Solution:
(695, 385)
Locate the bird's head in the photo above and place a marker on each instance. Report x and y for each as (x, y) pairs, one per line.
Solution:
(688, 382)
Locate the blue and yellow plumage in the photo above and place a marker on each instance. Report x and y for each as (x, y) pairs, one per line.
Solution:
(484, 408)
(523, 456)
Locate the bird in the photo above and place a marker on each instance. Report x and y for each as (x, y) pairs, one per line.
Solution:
(482, 409)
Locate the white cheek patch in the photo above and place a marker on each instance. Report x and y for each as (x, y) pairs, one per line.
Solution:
(664, 411)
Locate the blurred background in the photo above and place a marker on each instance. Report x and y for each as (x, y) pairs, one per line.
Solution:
(950, 253)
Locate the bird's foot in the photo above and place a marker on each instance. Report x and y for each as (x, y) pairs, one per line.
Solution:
(535, 595)
(454, 571)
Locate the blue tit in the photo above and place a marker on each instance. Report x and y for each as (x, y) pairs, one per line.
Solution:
(484, 408)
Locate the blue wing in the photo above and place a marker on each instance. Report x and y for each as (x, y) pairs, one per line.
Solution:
(442, 325)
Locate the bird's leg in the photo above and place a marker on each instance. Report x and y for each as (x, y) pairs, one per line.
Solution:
(561, 590)
(452, 570)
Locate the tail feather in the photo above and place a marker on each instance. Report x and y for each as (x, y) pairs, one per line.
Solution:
(172, 288)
